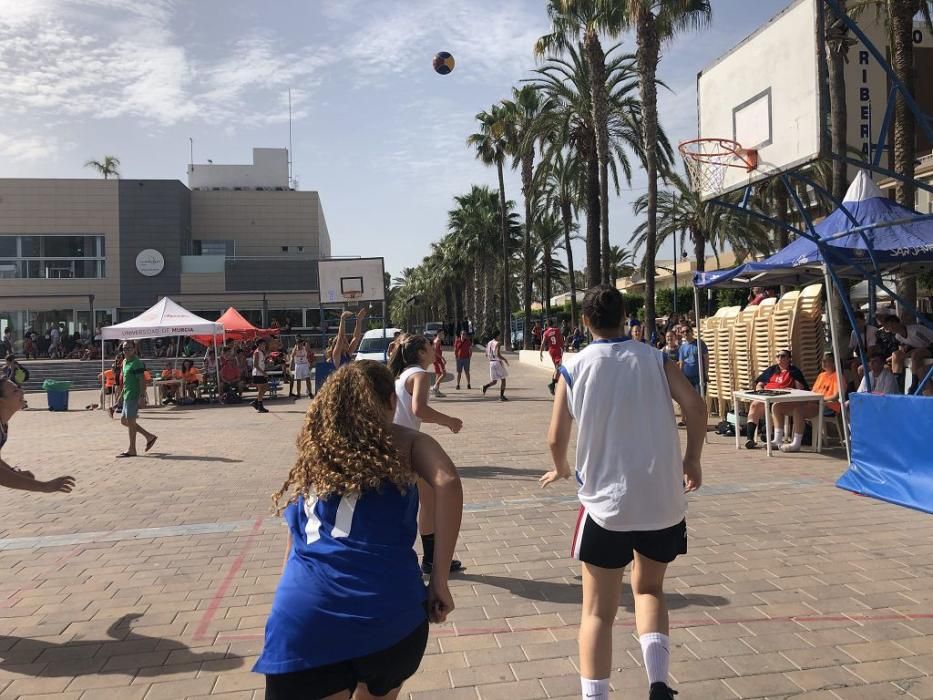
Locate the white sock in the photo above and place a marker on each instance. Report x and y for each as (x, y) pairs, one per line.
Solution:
(595, 690)
(656, 649)
(778, 436)
(798, 440)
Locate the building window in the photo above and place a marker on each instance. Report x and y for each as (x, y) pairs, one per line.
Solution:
(52, 257)
(284, 248)
(301, 249)
(225, 248)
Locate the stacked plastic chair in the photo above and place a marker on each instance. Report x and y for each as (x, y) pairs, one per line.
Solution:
(808, 341)
(743, 348)
(721, 354)
(782, 321)
(708, 328)
(763, 355)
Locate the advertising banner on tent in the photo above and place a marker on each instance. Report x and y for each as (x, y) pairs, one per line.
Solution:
(890, 449)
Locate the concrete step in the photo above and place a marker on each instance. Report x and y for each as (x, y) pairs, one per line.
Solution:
(82, 375)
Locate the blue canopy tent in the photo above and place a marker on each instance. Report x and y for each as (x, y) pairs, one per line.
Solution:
(869, 233)
(867, 236)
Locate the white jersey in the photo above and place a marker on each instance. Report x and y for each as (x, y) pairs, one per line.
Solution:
(404, 413)
(301, 356)
(258, 367)
(629, 465)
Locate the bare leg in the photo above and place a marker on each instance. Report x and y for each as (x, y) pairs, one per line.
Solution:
(648, 590)
(130, 424)
(467, 372)
(601, 591)
(308, 386)
(362, 693)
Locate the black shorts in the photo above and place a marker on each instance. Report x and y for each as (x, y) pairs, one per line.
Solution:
(382, 672)
(260, 380)
(609, 549)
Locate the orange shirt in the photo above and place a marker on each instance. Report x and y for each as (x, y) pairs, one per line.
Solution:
(827, 384)
(192, 375)
(109, 378)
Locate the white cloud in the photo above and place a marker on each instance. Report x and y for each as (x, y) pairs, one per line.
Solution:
(27, 146)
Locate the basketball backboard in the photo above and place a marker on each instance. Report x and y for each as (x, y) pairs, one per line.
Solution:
(346, 280)
(766, 94)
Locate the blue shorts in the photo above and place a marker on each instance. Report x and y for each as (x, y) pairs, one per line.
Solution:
(130, 408)
(463, 364)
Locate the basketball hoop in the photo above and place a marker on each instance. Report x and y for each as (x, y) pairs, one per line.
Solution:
(707, 159)
(352, 296)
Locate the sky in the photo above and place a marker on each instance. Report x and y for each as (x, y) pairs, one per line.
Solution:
(375, 130)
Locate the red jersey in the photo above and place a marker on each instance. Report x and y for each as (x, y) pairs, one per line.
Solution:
(463, 349)
(553, 341)
(438, 349)
(781, 379)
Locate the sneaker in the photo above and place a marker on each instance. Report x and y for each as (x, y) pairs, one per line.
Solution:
(262, 409)
(751, 445)
(469, 387)
(428, 566)
(791, 447)
(439, 395)
(502, 398)
(661, 691)
(458, 387)
(550, 387)
(484, 389)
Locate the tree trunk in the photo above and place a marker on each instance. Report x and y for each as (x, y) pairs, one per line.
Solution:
(597, 63)
(699, 249)
(836, 48)
(504, 305)
(647, 56)
(566, 214)
(458, 302)
(593, 254)
(449, 309)
(546, 287)
(902, 60)
(528, 159)
(489, 295)
(472, 294)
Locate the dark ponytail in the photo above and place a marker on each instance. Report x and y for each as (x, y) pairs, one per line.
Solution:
(405, 353)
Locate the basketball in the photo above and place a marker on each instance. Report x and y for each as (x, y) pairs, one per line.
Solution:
(443, 62)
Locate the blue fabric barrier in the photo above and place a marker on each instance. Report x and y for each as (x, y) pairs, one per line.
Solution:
(322, 370)
(891, 449)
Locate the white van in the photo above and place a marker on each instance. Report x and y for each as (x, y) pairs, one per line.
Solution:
(374, 344)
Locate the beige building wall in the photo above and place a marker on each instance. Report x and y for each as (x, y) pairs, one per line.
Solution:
(261, 222)
(80, 207)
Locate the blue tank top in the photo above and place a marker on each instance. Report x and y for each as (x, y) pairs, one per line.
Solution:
(352, 585)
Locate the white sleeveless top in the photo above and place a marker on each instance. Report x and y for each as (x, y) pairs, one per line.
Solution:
(257, 371)
(629, 465)
(404, 413)
(301, 356)
(492, 351)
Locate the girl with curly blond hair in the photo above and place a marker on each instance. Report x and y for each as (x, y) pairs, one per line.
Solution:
(350, 614)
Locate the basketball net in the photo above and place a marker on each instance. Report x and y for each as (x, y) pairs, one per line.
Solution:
(707, 160)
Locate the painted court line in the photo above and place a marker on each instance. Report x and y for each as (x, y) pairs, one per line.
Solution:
(208, 617)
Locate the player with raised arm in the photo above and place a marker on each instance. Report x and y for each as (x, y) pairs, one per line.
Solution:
(350, 614)
(631, 482)
(343, 350)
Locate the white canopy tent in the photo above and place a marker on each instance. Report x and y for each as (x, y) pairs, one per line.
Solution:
(165, 318)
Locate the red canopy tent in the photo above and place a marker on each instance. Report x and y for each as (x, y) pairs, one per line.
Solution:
(237, 328)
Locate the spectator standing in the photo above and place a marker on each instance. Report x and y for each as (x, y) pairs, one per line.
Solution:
(637, 332)
(7, 345)
(55, 341)
(756, 297)
(644, 522)
(463, 352)
(782, 375)
(672, 347)
(565, 331)
(14, 371)
(133, 373)
(260, 378)
(688, 356)
(536, 335)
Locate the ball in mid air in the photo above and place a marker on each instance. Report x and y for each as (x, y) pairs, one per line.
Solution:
(443, 62)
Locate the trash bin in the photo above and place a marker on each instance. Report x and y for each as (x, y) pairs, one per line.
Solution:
(57, 392)
(322, 370)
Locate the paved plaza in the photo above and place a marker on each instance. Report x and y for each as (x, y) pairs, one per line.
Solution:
(153, 578)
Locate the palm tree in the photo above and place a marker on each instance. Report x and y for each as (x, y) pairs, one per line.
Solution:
(561, 182)
(525, 111)
(837, 49)
(654, 23)
(575, 21)
(491, 146)
(684, 214)
(569, 123)
(548, 235)
(109, 166)
(621, 263)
